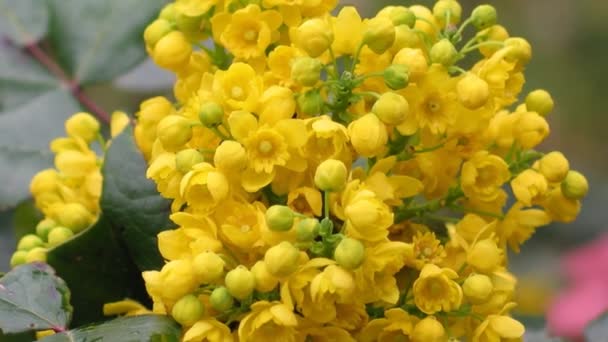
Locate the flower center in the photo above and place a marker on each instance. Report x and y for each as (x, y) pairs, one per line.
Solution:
(250, 35)
(245, 228)
(265, 146)
(237, 92)
(427, 251)
(433, 106)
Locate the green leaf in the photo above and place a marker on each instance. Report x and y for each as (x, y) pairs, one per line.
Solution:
(28, 336)
(25, 133)
(132, 203)
(23, 21)
(98, 270)
(25, 219)
(155, 328)
(33, 298)
(99, 40)
(597, 330)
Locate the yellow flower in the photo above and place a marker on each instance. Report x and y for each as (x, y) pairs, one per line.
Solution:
(368, 135)
(529, 186)
(177, 280)
(498, 328)
(483, 175)
(395, 326)
(348, 29)
(208, 330)
(435, 290)
(367, 218)
(239, 87)
(194, 8)
(240, 224)
(327, 139)
(268, 322)
(519, 225)
(127, 307)
(204, 187)
(306, 201)
(150, 113)
(429, 330)
(427, 249)
(485, 256)
(247, 32)
(333, 285)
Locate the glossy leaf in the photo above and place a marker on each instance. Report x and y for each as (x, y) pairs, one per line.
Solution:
(23, 21)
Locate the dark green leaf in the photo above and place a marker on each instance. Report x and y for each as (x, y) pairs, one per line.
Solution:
(33, 298)
(99, 40)
(97, 268)
(28, 336)
(25, 134)
(132, 203)
(25, 219)
(597, 330)
(23, 21)
(154, 328)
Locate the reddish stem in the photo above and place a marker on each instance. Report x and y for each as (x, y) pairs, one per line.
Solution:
(35, 51)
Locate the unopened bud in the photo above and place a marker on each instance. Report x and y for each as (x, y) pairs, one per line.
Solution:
(331, 175)
(74, 216)
(314, 36)
(44, 227)
(156, 30)
(443, 7)
(379, 34)
(220, 299)
(279, 218)
(399, 15)
(520, 50)
(37, 254)
(82, 125)
(18, 258)
(230, 156)
(306, 71)
(473, 92)
(264, 281)
(391, 108)
(59, 235)
(282, 259)
(311, 103)
(484, 256)
(428, 329)
(174, 131)
(29, 242)
(477, 288)
(240, 282)
(397, 76)
(554, 166)
(188, 310)
(208, 267)
(575, 185)
(539, 101)
(186, 159)
(211, 114)
(484, 16)
(350, 253)
(443, 52)
(307, 229)
(172, 51)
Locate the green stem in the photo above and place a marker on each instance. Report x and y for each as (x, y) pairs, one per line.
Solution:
(462, 27)
(219, 133)
(326, 204)
(466, 50)
(369, 93)
(356, 57)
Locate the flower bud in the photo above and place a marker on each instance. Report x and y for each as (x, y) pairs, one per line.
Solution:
(397, 76)
(44, 181)
(240, 282)
(484, 256)
(443, 7)
(314, 36)
(29, 242)
(74, 216)
(59, 235)
(349, 253)
(188, 24)
(306, 71)
(282, 260)
(36, 254)
(554, 166)
(399, 15)
(279, 218)
(477, 288)
(211, 114)
(230, 156)
(157, 30)
(169, 12)
(172, 51)
(307, 229)
(18, 258)
(264, 281)
(415, 61)
(428, 329)
(391, 108)
(188, 310)
(174, 131)
(539, 101)
(44, 227)
(443, 52)
(473, 92)
(379, 34)
(82, 125)
(483, 16)
(310, 103)
(493, 33)
(368, 135)
(186, 159)
(520, 50)
(331, 175)
(575, 185)
(208, 267)
(220, 299)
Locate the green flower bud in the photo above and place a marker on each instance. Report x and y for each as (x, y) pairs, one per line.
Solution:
(156, 30)
(188, 310)
(391, 108)
(520, 50)
(174, 132)
(29, 242)
(44, 227)
(483, 16)
(37, 254)
(188, 24)
(18, 258)
(306, 71)
(82, 125)
(477, 288)
(402, 16)
(208, 267)
(307, 229)
(310, 103)
(168, 12)
(397, 76)
(186, 159)
(331, 175)
(264, 281)
(350, 253)
(279, 218)
(220, 299)
(575, 185)
(282, 259)
(211, 114)
(240, 282)
(59, 235)
(539, 101)
(441, 9)
(444, 52)
(379, 35)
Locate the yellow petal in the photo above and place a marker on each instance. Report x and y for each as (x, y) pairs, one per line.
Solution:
(293, 130)
(507, 327)
(241, 124)
(119, 121)
(253, 181)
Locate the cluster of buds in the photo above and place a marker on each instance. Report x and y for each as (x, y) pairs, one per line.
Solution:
(339, 178)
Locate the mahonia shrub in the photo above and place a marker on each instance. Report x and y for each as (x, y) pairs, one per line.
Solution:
(333, 178)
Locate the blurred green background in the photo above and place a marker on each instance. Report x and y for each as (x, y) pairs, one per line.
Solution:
(570, 46)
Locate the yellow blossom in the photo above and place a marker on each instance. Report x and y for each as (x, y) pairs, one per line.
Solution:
(435, 290)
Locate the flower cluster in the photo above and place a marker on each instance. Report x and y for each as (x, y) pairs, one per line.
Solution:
(335, 178)
(67, 195)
